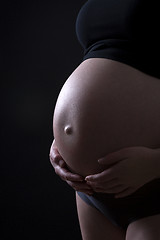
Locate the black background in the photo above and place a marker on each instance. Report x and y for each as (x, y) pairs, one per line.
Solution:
(39, 50)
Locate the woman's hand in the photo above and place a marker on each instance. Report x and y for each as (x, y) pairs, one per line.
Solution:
(126, 171)
(76, 181)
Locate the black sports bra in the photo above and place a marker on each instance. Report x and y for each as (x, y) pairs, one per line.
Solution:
(123, 30)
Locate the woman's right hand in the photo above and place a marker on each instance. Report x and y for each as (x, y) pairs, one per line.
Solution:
(76, 181)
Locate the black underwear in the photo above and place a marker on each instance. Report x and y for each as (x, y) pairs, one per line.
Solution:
(122, 211)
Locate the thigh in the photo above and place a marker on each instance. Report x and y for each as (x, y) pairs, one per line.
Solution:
(94, 225)
(147, 228)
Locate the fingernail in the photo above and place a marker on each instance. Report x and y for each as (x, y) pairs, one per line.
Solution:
(87, 178)
(100, 160)
(90, 193)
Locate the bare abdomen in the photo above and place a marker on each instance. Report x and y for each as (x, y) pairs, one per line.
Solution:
(105, 106)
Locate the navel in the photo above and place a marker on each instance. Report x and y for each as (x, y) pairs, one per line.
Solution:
(68, 130)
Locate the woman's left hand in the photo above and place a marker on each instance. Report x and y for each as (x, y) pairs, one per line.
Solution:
(126, 171)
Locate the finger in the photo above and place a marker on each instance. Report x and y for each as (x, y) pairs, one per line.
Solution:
(125, 193)
(115, 190)
(79, 186)
(107, 185)
(57, 162)
(67, 175)
(106, 175)
(90, 193)
(56, 158)
(54, 155)
(114, 157)
(62, 163)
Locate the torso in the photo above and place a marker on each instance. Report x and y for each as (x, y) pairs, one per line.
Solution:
(107, 105)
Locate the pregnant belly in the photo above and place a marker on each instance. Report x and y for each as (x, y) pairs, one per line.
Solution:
(104, 106)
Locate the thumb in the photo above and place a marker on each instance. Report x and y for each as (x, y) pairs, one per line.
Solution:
(62, 163)
(104, 161)
(112, 158)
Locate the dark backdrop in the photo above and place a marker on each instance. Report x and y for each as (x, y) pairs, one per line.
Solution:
(39, 50)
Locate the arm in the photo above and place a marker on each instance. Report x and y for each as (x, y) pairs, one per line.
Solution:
(126, 171)
(157, 163)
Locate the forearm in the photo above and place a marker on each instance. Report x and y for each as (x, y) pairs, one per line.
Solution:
(157, 163)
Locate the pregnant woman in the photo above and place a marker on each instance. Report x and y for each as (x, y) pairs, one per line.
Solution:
(106, 121)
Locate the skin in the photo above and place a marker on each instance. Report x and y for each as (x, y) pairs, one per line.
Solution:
(100, 110)
(93, 224)
(76, 181)
(126, 171)
(119, 176)
(125, 121)
(137, 144)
